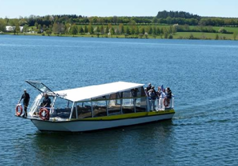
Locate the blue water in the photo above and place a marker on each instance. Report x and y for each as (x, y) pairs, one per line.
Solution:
(201, 74)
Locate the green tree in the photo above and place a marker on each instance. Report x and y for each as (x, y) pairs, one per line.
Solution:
(102, 30)
(128, 30)
(137, 30)
(81, 31)
(48, 32)
(107, 30)
(56, 28)
(67, 28)
(191, 36)
(85, 29)
(154, 32)
(36, 25)
(155, 20)
(2, 25)
(217, 37)
(121, 28)
(132, 30)
(90, 28)
(112, 31)
(25, 28)
(222, 30)
(159, 31)
(234, 35)
(16, 29)
(149, 30)
(142, 30)
(98, 31)
(74, 30)
(174, 30)
(166, 33)
(170, 36)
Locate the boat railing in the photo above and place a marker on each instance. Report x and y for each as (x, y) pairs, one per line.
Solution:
(161, 104)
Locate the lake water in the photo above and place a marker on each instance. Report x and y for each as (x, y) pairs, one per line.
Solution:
(201, 74)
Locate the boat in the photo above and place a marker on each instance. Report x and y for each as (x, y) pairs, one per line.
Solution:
(95, 107)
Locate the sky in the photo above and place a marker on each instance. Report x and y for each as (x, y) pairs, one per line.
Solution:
(25, 8)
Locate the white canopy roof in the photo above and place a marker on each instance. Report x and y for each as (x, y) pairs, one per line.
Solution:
(90, 92)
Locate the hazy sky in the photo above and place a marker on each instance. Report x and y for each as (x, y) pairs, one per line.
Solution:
(16, 8)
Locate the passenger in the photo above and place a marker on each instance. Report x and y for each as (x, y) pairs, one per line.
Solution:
(26, 98)
(152, 98)
(168, 96)
(146, 92)
(162, 97)
(134, 95)
(148, 87)
(168, 93)
(46, 102)
(134, 92)
(158, 93)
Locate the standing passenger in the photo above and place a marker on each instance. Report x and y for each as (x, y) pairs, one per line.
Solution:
(134, 95)
(162, 97)
(168, 96)
(148, 87)
(168, 93)
(158, 98)
(146, 92)
(152, 98)
(26, 99)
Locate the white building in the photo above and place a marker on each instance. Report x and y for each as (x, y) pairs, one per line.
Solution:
(11, 28)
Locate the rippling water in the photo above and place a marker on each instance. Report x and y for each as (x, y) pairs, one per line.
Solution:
(201, 74)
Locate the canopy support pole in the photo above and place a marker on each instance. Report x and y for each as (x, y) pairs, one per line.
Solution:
(72, 110)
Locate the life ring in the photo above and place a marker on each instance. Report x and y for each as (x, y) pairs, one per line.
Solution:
(47, 113)
(17, 110)
(166, 102)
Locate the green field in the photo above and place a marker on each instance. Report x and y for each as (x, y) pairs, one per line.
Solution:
(202, 35)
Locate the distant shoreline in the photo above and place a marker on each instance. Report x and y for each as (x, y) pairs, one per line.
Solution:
(178, 35)
(165, 25)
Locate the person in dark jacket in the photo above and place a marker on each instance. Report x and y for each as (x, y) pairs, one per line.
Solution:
(168, 93)
(152, 98)
(26, 98)
(134, 93)
(148, 87)
(46, 102)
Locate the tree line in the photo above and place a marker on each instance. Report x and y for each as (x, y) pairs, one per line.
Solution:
(140, 26)
(110, 30)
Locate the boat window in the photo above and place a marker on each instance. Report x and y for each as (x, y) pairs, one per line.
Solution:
(84, 110)
(138, 92)
(127, 102)
(36, 103)
(126, 94)
(99, 108)
(140, 104)
(62, 108)
(134, 101)
(115, 96)
(114, 107)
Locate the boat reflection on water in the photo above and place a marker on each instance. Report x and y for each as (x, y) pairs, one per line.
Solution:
(120, 145)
